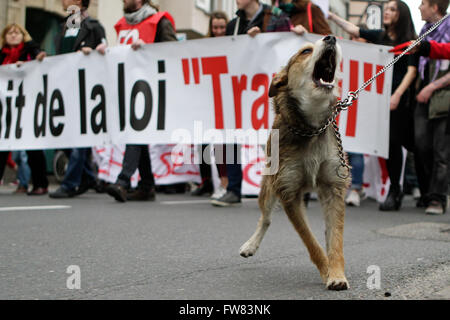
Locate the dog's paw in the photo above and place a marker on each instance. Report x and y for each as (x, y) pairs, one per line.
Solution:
(337, 284)
(248, 249)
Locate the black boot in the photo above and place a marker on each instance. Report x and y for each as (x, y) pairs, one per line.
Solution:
(393, 201)
(205, 188)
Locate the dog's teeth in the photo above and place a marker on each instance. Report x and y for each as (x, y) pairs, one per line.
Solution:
(326, 83)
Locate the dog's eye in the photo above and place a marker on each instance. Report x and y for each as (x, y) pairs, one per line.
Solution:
(306, 51)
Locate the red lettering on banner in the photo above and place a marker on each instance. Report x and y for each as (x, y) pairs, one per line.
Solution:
(246, 172)
(368, 67)
(380, 80)
(239, 85)
(259, 80)
(384, 174)
(215, 66)
(353, 109)
(166, 159)
(185, 64)
(340, 84)
(196, 69)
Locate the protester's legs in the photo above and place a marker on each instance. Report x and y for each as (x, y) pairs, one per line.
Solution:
(357, 162)
(3, 159)
(75, 169)
(441, 145)
(424, 143)
(38, 166)
(220, 154)
(205, 162)
(129, 164)
(395, 161)
(147, 182)
(23, 171)
(234, 169)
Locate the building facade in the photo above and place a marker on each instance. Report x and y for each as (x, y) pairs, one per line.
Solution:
(43, 17)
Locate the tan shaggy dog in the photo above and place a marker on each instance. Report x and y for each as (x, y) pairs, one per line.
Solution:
(304, 94)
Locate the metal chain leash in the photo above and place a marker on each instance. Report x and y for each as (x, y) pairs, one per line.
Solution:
(351, 97)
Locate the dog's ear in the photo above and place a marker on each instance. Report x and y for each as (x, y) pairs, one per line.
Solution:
(280, 80)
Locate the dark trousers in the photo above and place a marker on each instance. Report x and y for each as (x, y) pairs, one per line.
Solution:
(3, 160)
(205, 164)
(234, 169)
(433, 148)
(38, 166)
(137, 157)
(401, 134)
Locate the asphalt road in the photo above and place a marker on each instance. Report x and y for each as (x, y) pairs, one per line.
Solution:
(180, 247)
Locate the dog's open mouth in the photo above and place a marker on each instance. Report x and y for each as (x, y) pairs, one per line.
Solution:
(325, 68)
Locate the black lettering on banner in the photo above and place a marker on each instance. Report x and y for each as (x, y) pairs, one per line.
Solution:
(20, 103)
(161, 97)
(59, 112)
(98, 90)
(143, 87)
(121, 82)
(41, 101)
(8, 110)
(82, 84)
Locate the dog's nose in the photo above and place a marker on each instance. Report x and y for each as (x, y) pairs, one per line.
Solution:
(330, 39)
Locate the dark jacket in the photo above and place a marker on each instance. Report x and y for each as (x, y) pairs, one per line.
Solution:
(91, 34)
(165, 31)
(261, 21)
(30, 50)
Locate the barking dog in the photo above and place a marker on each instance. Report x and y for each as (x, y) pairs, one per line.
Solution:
(304, 94)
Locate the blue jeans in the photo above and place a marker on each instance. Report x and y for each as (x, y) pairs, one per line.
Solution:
(79, 164)
(23, 171)
(357, 162)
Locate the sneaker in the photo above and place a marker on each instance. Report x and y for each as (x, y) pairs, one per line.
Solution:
(117, 191)
(219, 193)
(434, 208)
(141, 195)
(228, 199)
(62, 193)
(353, 198)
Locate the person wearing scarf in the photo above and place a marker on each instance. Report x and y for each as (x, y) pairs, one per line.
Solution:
(142, 23)
(432, 112)
(17, 47)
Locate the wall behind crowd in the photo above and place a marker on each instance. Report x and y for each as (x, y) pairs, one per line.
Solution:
(191, 19)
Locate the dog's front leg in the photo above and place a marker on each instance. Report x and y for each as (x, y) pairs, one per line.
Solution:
(266, 203)
(296, 213)
(332, 200)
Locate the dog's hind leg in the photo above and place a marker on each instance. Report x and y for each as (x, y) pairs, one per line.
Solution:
(332, 200)
(296, 212)
(267, 201)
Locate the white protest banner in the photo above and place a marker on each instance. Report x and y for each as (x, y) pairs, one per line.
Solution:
(173, 92)
(167, 164)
